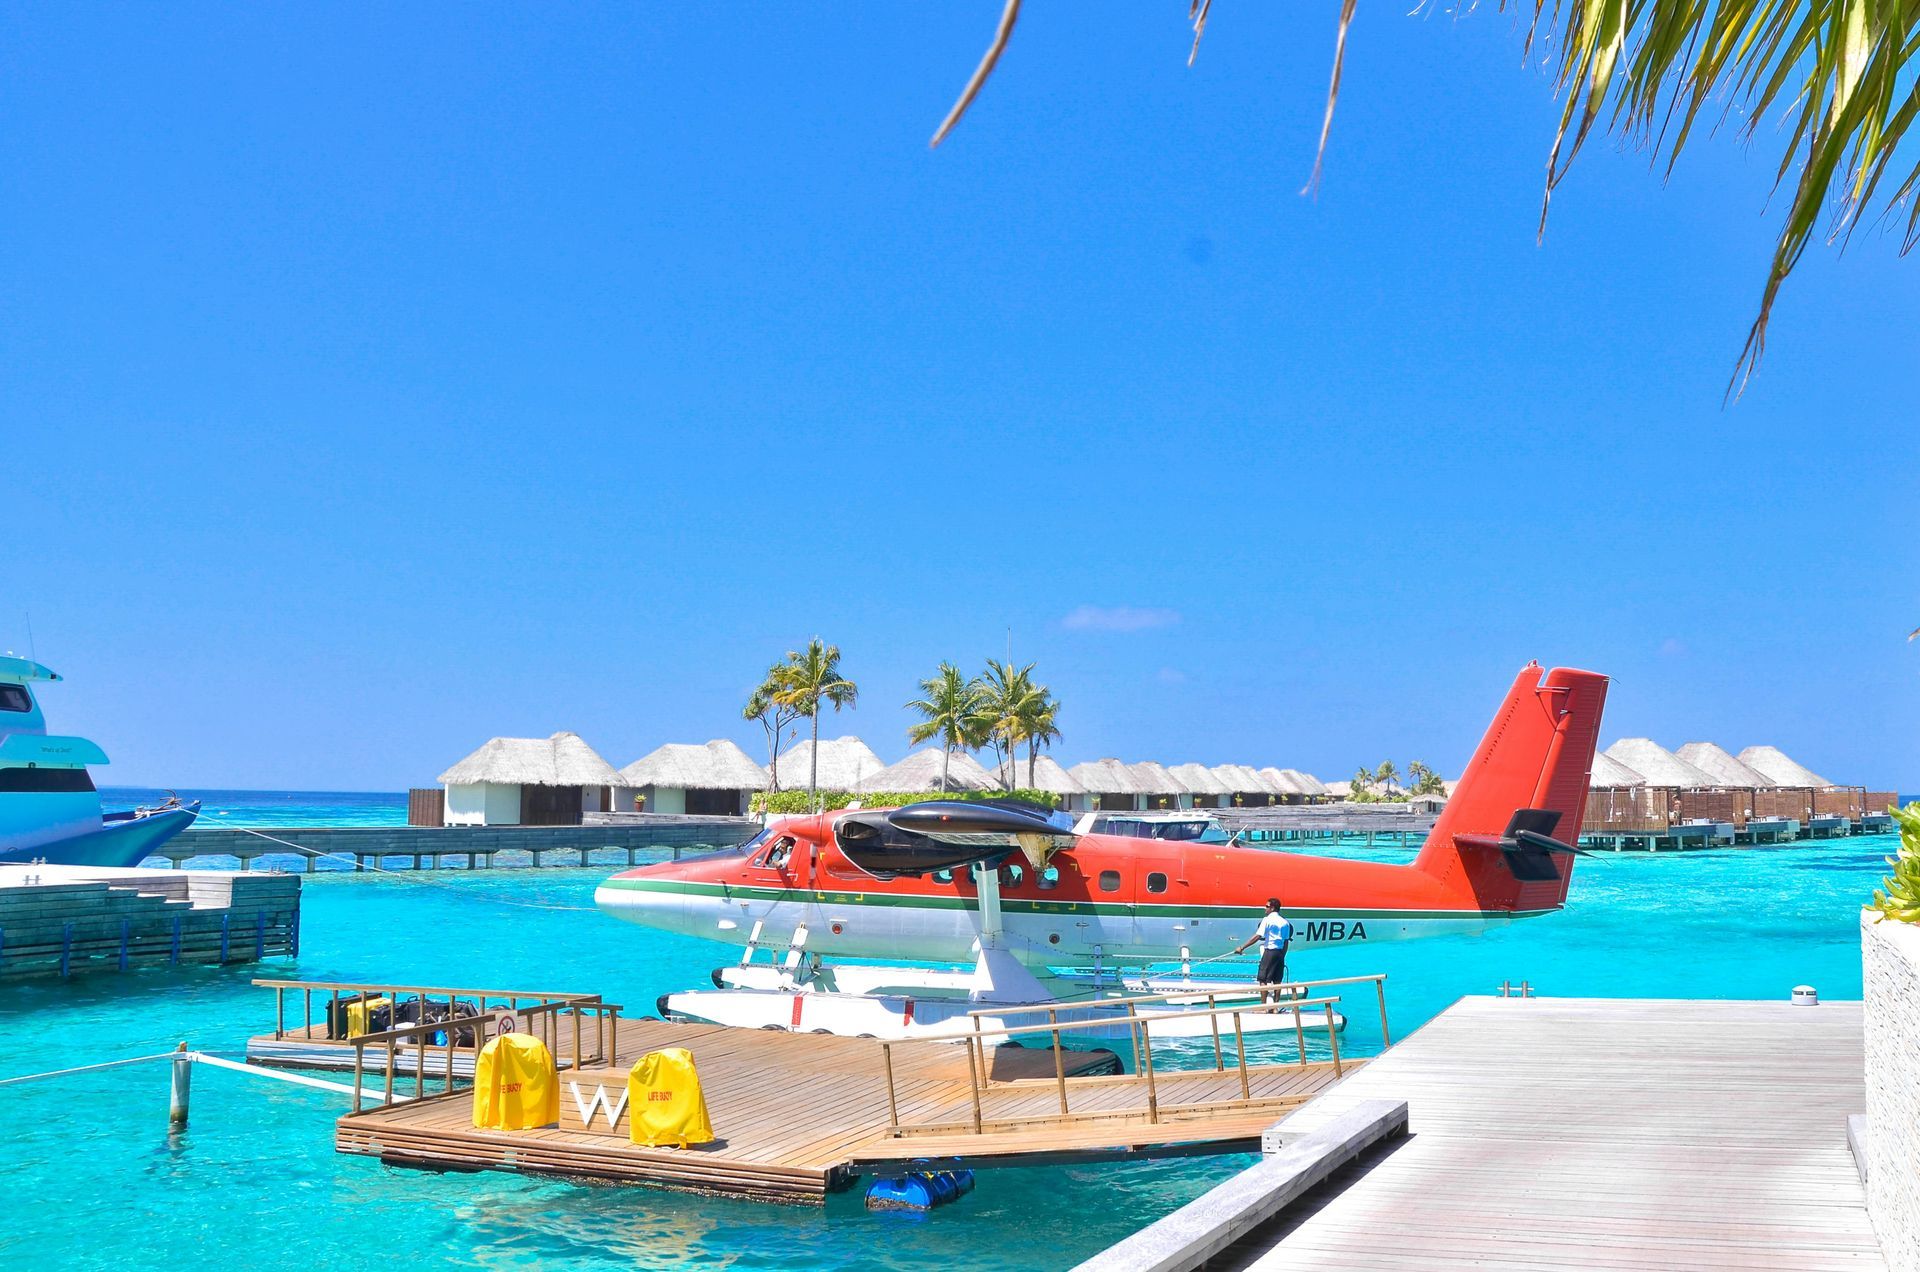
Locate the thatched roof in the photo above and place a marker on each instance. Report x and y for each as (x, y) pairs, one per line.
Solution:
(1242, 780)
(1049, 776)
(1608, 771)
(561, 760)
(1198, 779)
(1313, 784)
(921, 772)
(1150, 778)
(1781, 767)
(1105, 777)
(1283, 781)
(1722, 767)
(844, 764)
(1658, 765)
(717, 766)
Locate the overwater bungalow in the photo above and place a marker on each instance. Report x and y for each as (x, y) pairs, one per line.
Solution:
(712, 780)
(529, 782)
(1202, 788)
(920, 772)
(1157, 787)
(1246, 787)
(1109, 784)
(1290, 786)
(1048, 775)
(844, 763)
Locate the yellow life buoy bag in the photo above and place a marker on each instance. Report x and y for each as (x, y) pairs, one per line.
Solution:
(514, 1085)
(664, 1103)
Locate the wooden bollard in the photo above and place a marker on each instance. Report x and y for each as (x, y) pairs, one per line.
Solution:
(181, 1092)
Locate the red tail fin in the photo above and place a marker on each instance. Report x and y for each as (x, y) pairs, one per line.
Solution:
(1502, 836)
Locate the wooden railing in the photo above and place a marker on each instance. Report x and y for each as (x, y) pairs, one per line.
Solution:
(483, 999)
(1254, 1001)
(543, 1022)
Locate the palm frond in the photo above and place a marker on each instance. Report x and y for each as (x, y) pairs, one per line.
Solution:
(1839, 72)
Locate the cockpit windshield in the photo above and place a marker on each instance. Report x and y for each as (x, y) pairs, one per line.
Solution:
(738, 850)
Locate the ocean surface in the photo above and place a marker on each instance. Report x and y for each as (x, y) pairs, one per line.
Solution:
(274, 808)
(97, 1178)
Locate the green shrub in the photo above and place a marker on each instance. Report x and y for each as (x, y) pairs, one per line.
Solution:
(1900, 899)
(785, 802)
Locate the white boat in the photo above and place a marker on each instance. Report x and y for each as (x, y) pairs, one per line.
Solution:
(49, 809)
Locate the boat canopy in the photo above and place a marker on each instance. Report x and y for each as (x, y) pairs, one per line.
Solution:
(20, 670)
(21, 750)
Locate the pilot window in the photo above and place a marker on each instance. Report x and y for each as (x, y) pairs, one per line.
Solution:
(14, 698)
(1156, 882)
(778, 854)
(1109, 881)
(1050, 877)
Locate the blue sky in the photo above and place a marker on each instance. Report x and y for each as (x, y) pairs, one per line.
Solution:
(373, 382)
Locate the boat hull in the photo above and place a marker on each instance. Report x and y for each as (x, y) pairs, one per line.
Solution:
(115, 843)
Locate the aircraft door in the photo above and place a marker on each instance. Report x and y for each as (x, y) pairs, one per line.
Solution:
(1157, 891)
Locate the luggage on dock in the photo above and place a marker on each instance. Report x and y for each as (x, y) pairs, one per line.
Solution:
(359, 1014)
(664, 1101)
(515, 1087)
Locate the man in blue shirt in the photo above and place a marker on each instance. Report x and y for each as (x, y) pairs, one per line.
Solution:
(1272, 935)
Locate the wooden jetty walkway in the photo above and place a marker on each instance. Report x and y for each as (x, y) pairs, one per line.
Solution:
(470, 847)
(1588, 1134)
(67, 920)
(797, 1115)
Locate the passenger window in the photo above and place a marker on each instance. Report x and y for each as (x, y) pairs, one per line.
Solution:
(1109, 881)
(1156, 882)
(943, 876)
(1050, 877)
(1011, 875)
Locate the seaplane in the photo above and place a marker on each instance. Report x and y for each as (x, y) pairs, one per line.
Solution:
(1048, 917)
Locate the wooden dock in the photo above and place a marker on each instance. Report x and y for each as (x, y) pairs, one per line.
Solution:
(801, 1114)
(67, 920)
(1595, 1134)
(796, 1114)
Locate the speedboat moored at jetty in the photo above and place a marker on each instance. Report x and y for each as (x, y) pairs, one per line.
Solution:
(49, 809)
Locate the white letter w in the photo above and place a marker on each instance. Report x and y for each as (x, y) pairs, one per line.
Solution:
(590, 1108)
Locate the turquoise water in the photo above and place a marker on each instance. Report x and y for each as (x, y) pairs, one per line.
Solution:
(254, 1181)
(275, 808)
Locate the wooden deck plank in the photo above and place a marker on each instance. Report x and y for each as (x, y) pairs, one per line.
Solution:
(1629, 1134)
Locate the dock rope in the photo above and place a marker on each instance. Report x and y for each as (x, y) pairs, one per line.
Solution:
(87, 1068)
(197, 1057)
(409, 876)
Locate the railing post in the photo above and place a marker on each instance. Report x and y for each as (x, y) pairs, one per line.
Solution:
(893, 1106)
(1300, 1036)
(359, 1061)
(388, 1097)
(1380, 988)
(973, 1085)
(1153, 1095)
(1133, 1037)
(1213, 1018)
(1059, 1059)
(1333, 1040)
(1240, 1047)
(279, 1012)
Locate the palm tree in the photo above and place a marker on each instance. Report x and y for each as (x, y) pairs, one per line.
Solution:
(1002, 689)
(814, 679)
(1841, 74)
(1361, 787)
(949, 709)
(1422, 780)
(765, 707)
(1037, 723)
(1386, 775)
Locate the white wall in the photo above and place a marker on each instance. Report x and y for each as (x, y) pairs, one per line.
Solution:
(666, 799)
(483, 804)
(1890, 954)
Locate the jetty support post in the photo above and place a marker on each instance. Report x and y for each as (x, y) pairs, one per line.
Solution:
(181, 1089)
